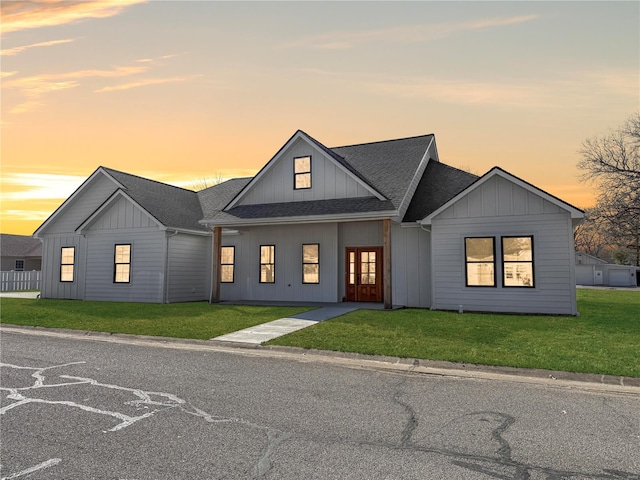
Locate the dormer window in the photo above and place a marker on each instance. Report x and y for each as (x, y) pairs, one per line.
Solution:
(302, 172)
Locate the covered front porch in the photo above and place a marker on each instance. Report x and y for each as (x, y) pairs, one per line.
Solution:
(351, 262)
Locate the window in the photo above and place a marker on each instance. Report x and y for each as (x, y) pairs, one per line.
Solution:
(480, 261)
(19, 266)
(227, 264)
(122, 270)
(267, 264)
(367, 268)
(311, 263)
(302, 172)
(517, 261)
(67, 263)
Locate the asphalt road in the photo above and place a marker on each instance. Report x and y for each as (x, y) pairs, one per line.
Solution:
(83, 409)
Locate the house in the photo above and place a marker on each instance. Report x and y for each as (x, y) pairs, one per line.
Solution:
(20, 253)
(592, 270)
(376, 222)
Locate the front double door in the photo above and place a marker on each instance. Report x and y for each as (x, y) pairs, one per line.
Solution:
(363, 276)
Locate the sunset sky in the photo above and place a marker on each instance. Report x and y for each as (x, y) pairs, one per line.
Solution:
(186, 91)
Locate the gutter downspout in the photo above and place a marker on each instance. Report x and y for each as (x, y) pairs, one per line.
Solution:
(166, 268)
(432, 285)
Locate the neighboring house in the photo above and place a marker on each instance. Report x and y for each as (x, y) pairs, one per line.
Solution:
(375, 222)
(20, 253)
(591, 270)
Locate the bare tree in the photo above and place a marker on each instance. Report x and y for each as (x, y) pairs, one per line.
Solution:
(205, 183)
(612, 162)
(590, 236)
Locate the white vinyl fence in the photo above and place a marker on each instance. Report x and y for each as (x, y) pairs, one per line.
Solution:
(12, 281)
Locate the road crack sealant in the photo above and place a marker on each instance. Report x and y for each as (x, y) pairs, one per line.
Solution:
(156, 401)
(499, 464)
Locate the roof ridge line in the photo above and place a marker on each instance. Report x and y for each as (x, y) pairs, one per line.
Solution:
(385, 141)
(146, 178)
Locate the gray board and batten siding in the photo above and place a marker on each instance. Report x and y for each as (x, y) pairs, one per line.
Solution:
(495, 209)
(167, 265)
(329, 180)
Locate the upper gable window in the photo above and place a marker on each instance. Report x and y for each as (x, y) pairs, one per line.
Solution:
(302, 172)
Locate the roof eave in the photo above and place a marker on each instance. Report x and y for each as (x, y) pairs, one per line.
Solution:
(342, 217)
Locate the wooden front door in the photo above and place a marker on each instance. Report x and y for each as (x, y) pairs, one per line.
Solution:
(363, 276)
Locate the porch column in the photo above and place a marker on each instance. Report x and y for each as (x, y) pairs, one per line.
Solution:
(386, 263)
(216, 255)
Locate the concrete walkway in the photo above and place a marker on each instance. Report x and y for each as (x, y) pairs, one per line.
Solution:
(19, 294)
(277, 328)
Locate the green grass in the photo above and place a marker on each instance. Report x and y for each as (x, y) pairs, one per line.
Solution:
(605, 338)
(197, 320)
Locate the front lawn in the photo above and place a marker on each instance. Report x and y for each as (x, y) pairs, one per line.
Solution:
(197, 320)
(604, 339)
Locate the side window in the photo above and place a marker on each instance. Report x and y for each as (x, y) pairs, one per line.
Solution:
(302, 172)
(267, 263)
(480, 261)
(122, 264)
(19, 266)
(517, 261)
(67, 264)
(227, 264)
(311, 263)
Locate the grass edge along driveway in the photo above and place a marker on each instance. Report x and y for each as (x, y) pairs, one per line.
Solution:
(604, 339)
(195, 320)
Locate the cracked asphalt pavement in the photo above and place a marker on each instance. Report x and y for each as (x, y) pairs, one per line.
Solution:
(84, 409)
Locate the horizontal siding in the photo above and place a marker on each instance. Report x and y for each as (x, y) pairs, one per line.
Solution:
(554, 291)
(328, 180)
(189, 268)
(147, 266)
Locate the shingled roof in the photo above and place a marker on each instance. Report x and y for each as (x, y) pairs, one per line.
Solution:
(390, 165)
(439, 184)
(173, 207)
(19, 246)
